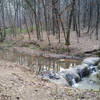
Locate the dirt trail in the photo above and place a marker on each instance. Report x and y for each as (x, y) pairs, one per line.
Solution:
(18, 82)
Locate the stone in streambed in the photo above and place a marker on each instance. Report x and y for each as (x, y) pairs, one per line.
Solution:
(54, 77)
(70, 79)
(51, 75)
(82, 70)
(91, 61)
(70, 75)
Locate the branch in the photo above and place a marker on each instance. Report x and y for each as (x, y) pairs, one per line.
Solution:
(29, 4)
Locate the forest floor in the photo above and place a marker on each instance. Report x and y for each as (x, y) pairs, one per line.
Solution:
(83, 46)
(18, 82)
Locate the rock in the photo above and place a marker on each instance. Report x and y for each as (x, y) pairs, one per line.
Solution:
(74, 75)
(17, 98)
(70, 79)
(70, 75)
(54, 76)
(51, 75)
(91, 61)
(82, 70)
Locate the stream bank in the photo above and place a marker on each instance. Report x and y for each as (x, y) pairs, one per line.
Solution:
(60, 71)
(44, 91)
(18, 82)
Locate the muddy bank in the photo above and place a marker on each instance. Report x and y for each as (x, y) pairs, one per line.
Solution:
(18, 82)
(46, 54)
(56, 50)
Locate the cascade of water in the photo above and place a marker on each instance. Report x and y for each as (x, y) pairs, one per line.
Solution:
(70, 79)
(93, 69)
(73, 82)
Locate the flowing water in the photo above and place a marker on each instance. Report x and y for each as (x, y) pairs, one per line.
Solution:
(41, 64)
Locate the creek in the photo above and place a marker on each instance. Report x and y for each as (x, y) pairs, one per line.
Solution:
(76, 73)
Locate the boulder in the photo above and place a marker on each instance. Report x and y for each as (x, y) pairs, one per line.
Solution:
(70, 75)
(74, 75)
(91, 61)
(82, 70)
(70, 79)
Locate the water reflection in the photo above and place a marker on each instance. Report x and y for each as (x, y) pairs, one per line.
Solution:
(38, 64)
(41, 65)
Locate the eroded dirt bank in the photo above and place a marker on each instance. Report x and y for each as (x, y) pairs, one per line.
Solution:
(84, 48)
(18, 82)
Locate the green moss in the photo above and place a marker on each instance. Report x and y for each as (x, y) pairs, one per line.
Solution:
(63, 49)
(96, 90)
(33, 47)
(98, 54)
(8, 31)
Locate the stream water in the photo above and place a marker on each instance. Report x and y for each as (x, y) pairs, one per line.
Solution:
(38, 64)
(41, 64)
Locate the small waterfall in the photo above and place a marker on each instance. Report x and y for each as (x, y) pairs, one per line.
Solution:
(93, 69)
(74, 83)
(71, 80)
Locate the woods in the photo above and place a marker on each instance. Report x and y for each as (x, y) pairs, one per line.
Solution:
(49, 49)
(55, 17)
